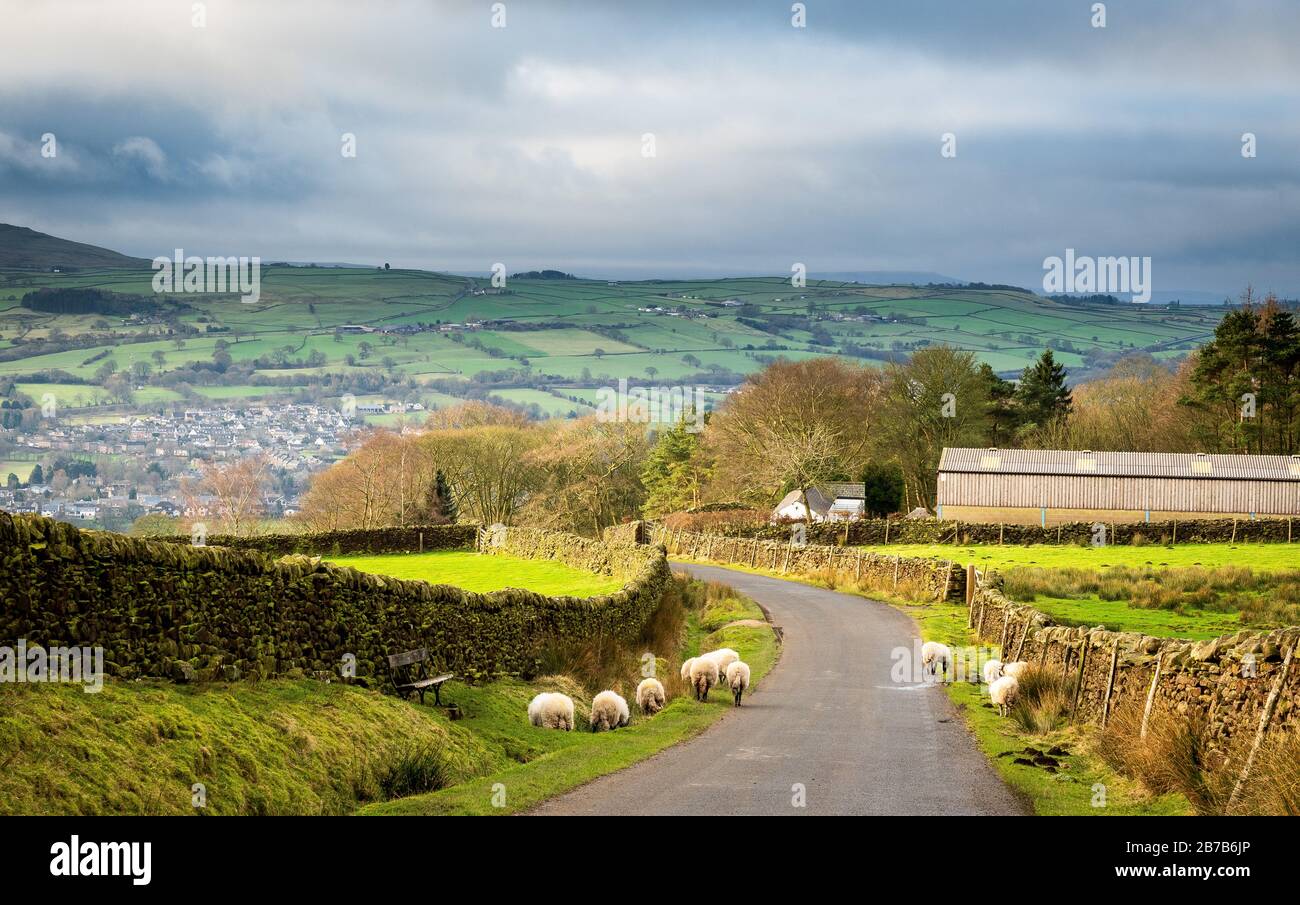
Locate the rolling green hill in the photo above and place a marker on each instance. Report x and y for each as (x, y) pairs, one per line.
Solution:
(25, 248)
(546, 343)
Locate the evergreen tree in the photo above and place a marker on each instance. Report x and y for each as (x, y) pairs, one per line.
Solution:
(446, 500)
(38, 476)
(1003, 419)
(675, 470)
(1042, 395)
(884, 489)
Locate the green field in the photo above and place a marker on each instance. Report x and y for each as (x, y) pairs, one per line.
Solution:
(22, 469)
(1269, 557)
(483, 573)
(592, 331)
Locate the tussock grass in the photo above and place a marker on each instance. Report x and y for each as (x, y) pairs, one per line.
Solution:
(1044, 701)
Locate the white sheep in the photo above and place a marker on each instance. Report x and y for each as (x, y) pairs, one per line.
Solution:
(738, 679)
(704, 675)
(650, 696)
(1015, 669)
(686, 669)
(992, 671)
(1004, 692)
(936, 659)
(724, 657)
(551, 710)
(608, 711)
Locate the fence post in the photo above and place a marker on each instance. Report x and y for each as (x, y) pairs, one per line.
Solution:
(1110, 684)
(887, 530)
(858, 571)
(421, 541)
(1085, 644)
(947, 581)
(970, 594)
(1269, 706)
(1029, 621)
(1151, 695)
(897, 560)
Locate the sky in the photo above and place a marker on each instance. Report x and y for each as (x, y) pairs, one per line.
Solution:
(666, 139)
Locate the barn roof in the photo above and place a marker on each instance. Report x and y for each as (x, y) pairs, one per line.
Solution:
(1120, 464)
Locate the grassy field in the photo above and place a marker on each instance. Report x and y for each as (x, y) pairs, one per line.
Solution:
(22, 469)
(593, 330)
(483, 573)
(1194, 591)
(1273, 557)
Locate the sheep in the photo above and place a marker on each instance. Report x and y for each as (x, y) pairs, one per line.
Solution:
(992, 671)
(738, 679)
(936, 658)
(724, 657)
(1004, 692)
(650, 696)
(704, 675)
(686, 669)
(551, 710)
(1015, 669)
(608, 711)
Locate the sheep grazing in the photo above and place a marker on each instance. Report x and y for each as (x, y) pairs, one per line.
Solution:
(686, 669)
(724, 657)
(992, 671)
(704, 675)
(650, 696)
(936, 659)
(1004, 692)
(738, 679)
(1015, 669)
(608, 711)
(551, 710)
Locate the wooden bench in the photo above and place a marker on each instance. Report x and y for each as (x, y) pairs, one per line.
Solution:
(409, 672)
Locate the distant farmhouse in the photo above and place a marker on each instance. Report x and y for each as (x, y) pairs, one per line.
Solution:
(1050, 487)
(834, 502)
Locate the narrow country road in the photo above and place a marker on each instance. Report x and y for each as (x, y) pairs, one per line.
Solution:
(827, 717)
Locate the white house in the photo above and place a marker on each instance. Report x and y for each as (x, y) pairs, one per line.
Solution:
(837, 501)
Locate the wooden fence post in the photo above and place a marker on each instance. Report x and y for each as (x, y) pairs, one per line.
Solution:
(1151, 695)
(1269, 706)
(1085, 644)
(970, 594)
(1110, 684)
(946, 582)
(886, 532)
(1002, 638)
(979, 627)
(753, 556)
(897, 560)
(1029, 620)
(421, 541)
(858, 572)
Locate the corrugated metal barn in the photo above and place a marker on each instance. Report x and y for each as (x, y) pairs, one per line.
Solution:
(1040, 486)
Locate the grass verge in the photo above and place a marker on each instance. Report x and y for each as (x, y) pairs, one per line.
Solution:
(544, 763)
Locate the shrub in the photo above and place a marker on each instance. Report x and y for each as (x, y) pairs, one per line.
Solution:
(1174, 756)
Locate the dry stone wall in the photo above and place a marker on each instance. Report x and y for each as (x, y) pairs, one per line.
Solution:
(1225, 680)
(932, 578)
(201, 613)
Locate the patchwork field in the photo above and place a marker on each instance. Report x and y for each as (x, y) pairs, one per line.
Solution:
(582, 333)
(483, 573)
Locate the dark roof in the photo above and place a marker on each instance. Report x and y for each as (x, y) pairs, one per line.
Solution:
(1120, 464)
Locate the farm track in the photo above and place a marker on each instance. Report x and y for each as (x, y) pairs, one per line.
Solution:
(827, 717)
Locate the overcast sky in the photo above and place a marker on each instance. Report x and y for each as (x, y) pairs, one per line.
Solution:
(773, 144)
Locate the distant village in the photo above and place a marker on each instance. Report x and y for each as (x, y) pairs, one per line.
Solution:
(107, 474)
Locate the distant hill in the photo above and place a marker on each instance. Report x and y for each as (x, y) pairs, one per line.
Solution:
(27, 249)
(887, 277)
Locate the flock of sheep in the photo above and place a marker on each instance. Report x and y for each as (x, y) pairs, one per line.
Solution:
(1003, 679)
(552, 710)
